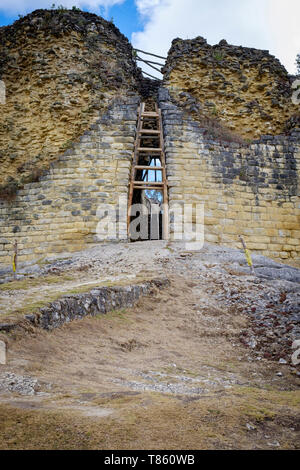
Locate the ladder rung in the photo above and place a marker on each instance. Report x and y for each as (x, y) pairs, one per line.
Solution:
(149, 114)
(158, 188)
(143, 167)
(149, 131)
(149, 149)
(140, 147)
(159, 183)
(150, 136)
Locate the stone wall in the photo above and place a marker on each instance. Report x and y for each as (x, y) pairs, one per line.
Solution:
(99, 300)
(247, 90)
(75, 71)
(59, 213)
(60, 68)
(251, 190)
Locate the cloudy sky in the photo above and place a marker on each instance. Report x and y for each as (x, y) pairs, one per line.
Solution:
(152, 24)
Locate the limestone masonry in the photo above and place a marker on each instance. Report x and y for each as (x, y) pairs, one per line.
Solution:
(59, 212)
(251, 190)
(70, 91)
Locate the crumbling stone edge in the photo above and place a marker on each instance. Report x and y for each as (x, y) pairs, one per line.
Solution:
(99, 300)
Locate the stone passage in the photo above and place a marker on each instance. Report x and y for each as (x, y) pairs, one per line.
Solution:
(59, 213)
(252, 190)
(148, 188)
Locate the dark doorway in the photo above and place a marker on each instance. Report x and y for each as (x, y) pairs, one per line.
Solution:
(146, 221)
(148, 196)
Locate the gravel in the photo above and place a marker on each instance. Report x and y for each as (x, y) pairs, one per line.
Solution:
(270, 299)
(23, 385)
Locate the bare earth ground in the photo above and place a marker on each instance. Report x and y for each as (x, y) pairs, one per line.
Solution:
(170, 373)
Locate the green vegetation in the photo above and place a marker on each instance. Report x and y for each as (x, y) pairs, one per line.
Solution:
(52, 295)
(207, 423)
(25, 284)
(66, 145)
(214, 111)
(58, 7)
(62, 8)
(243, 174)
(218, 55)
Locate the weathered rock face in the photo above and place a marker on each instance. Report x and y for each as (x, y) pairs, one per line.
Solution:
(59, 68)
(246, 89)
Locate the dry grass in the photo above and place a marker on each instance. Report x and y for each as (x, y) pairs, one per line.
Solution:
(151, 421)
(25, 284)
(43, 291)
(162, 333)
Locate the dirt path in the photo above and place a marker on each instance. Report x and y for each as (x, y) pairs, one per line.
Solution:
(170, 373)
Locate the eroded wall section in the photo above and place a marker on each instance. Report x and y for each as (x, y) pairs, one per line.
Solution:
(248, 90)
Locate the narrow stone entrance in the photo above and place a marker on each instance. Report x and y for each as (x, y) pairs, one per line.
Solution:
(148, 190)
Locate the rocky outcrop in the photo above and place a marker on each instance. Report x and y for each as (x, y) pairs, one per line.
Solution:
(246, 89)
(60, 68)
(23, 385)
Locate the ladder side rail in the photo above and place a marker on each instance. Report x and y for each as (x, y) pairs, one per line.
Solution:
(165, 224)
(135, 158)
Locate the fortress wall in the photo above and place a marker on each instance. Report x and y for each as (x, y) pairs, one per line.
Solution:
(246, 89)
(59, 213)
(252, 190)
(60, 69)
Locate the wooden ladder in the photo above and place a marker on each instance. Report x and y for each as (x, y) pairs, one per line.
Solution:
(156, 132)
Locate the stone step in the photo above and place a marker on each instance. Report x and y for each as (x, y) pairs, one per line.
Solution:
(149, 149)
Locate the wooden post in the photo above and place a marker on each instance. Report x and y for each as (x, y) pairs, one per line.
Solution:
(137, 144)
(15, 258)
(165, 219)
(248, 255)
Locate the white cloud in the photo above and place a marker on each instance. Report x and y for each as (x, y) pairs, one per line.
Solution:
(263, 24)
(26, 6)
(145, 7)
(283, 23)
